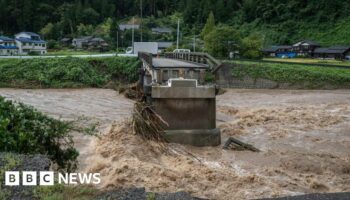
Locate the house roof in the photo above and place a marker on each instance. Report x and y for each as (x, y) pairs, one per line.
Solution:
(84, 39)
(162, 30)
(65, 39)
(97, 39)
(333, 50)
(22, 39)
(30, 33)
(8, 47)
(6, 39)
(309, 42)
(276, 48)
(164, 44)
(124, 27)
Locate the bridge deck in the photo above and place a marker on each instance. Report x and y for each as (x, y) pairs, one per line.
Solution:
(172, 63)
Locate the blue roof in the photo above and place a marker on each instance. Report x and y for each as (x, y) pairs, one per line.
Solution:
(30, 33)
(4, 38)
(22, 39)
(8, 47)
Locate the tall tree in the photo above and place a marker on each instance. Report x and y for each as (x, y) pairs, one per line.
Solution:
(221, 41)
(209, 26)
(114, 31)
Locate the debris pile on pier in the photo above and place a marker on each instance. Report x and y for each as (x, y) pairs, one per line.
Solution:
(147, 123)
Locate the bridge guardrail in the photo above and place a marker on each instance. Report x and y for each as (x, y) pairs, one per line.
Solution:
(146, 57)
(196, 57)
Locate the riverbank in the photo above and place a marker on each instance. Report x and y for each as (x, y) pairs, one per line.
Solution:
(264, 75)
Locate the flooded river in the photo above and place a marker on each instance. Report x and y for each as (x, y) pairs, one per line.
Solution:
(304, 138)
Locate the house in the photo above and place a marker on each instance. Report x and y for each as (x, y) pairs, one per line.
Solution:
(66, 42)
(98, 44)
(30, 42)
(90, 43)
(335, 52)
(159, 30)
(8, 46)
(305, 48)
(282, 51)
(164, 45)
(82, 42)
(124, 27)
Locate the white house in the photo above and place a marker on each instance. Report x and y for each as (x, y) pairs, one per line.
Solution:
(30, 42)
(8, 46)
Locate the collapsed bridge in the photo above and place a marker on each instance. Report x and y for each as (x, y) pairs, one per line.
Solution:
(177, 88)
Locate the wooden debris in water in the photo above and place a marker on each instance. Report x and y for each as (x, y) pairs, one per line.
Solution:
(131, 91)
(147, 123)
(239, 145)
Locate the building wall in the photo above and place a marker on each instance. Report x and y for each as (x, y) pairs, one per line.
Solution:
(8, 52)
(25, 47)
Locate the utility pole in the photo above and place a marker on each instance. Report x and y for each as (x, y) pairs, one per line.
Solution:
(141, 18)
(133, 33)
(194, 42)
(178, 33)
(117, 41)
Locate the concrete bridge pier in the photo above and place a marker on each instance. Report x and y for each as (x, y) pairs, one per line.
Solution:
(175, 87)
(190, 111)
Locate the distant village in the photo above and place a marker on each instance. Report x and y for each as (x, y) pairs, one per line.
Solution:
(308, 49)
(29, 43)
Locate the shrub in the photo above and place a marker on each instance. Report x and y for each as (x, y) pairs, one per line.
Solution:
(309, 76)
(67, 72)
(27, 131)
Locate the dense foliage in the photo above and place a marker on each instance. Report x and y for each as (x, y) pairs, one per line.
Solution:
(278, 21)
(25, 130)
(222, 40)
(66, 72)
(300, 75)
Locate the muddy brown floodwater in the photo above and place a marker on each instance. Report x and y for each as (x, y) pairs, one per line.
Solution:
(304, 138)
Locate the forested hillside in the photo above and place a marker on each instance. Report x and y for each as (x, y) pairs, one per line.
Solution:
(276, 21)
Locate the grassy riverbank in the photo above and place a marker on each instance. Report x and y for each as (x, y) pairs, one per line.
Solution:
(67, 72)
(311, 77)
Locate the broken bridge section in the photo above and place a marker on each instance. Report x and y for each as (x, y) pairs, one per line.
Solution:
(176, 87)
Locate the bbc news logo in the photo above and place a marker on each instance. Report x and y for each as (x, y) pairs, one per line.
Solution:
(47, 178)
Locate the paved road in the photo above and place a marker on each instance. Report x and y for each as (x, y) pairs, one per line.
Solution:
(76, 56)
(166, 62)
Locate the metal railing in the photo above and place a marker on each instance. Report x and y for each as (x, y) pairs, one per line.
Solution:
(196, 57)
(146, 57)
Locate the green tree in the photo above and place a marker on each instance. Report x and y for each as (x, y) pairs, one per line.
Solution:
(251, 47)
(85, 30)
(114, 31)
(47, 31)
(209, 26)
(221, 41)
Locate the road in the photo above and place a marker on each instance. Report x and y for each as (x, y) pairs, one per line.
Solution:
(75, 56)
(169, 63)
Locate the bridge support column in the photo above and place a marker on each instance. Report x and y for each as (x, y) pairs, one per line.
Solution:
(190, 111)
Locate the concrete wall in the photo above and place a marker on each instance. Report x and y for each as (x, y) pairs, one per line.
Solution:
(185, 114)
(224, 79)
(190, 111)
